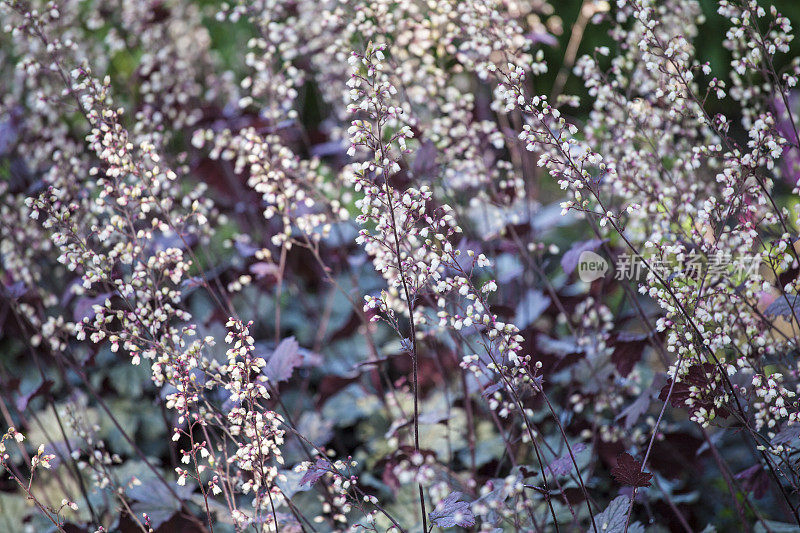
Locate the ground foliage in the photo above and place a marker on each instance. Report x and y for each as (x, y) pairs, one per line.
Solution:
(317, 265)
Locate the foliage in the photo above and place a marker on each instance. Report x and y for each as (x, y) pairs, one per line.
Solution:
(345, 265)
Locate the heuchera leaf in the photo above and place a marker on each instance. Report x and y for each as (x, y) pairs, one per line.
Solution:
(84, 307)
(263, 269)
(531, 307)
(424, 164)
(283, 361)
(42, 388)
(569, 261)
(784, 307)
(640, 406)
(314, 472)
(16, 290)
(155, 499)
(615, 516)
(629, 472)
(697, 387)
(628, 351)
(491, 389)
(563, 465)
(754, 480)
(450, 513)
(788, 435)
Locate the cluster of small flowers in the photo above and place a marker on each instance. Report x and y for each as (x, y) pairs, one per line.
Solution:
(274, 81)
(10, 435)
(752, 83)
(131, 188)
(41, 459)
(294, 191)
(258, 431)
(774, 402)
(128, 241)
(30, 81)
(593, 324)
(174, 58)
(346, 491)
(652, 170)
(677, 212)
(91, 454)
(409, 246)
(577, 167)
(504, 499)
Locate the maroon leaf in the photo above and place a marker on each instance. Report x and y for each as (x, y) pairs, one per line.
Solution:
(628, 351)
(542, 37)
(755, 480)
(314, 472)
(424, 164)
(675, 453)
(788, 435)
(16, 290)
(629, 472)
(245, 249)
(491, 389)
(696, 389)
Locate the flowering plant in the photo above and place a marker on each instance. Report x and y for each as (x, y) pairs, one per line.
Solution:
(355, 265)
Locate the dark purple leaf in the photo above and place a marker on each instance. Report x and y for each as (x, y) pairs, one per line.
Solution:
(450, 513)
(491, 389)
(283, 361)
(84, 307)
(314, 472)
(569, 261)
(310, 358)
(424, 164)
(558, 347)
(328, 149)
(16, 290)
(542, 37)
(629, 472)
(634, 411)
(676, 453)
(245, 249)
(164, 241)
(699, 386)
(563, 465)
(784, 306)
(531, 307)
(43, 388)
(9, 129)
(628, 351)
(789, 435)
(755, 480)
(192, 283)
